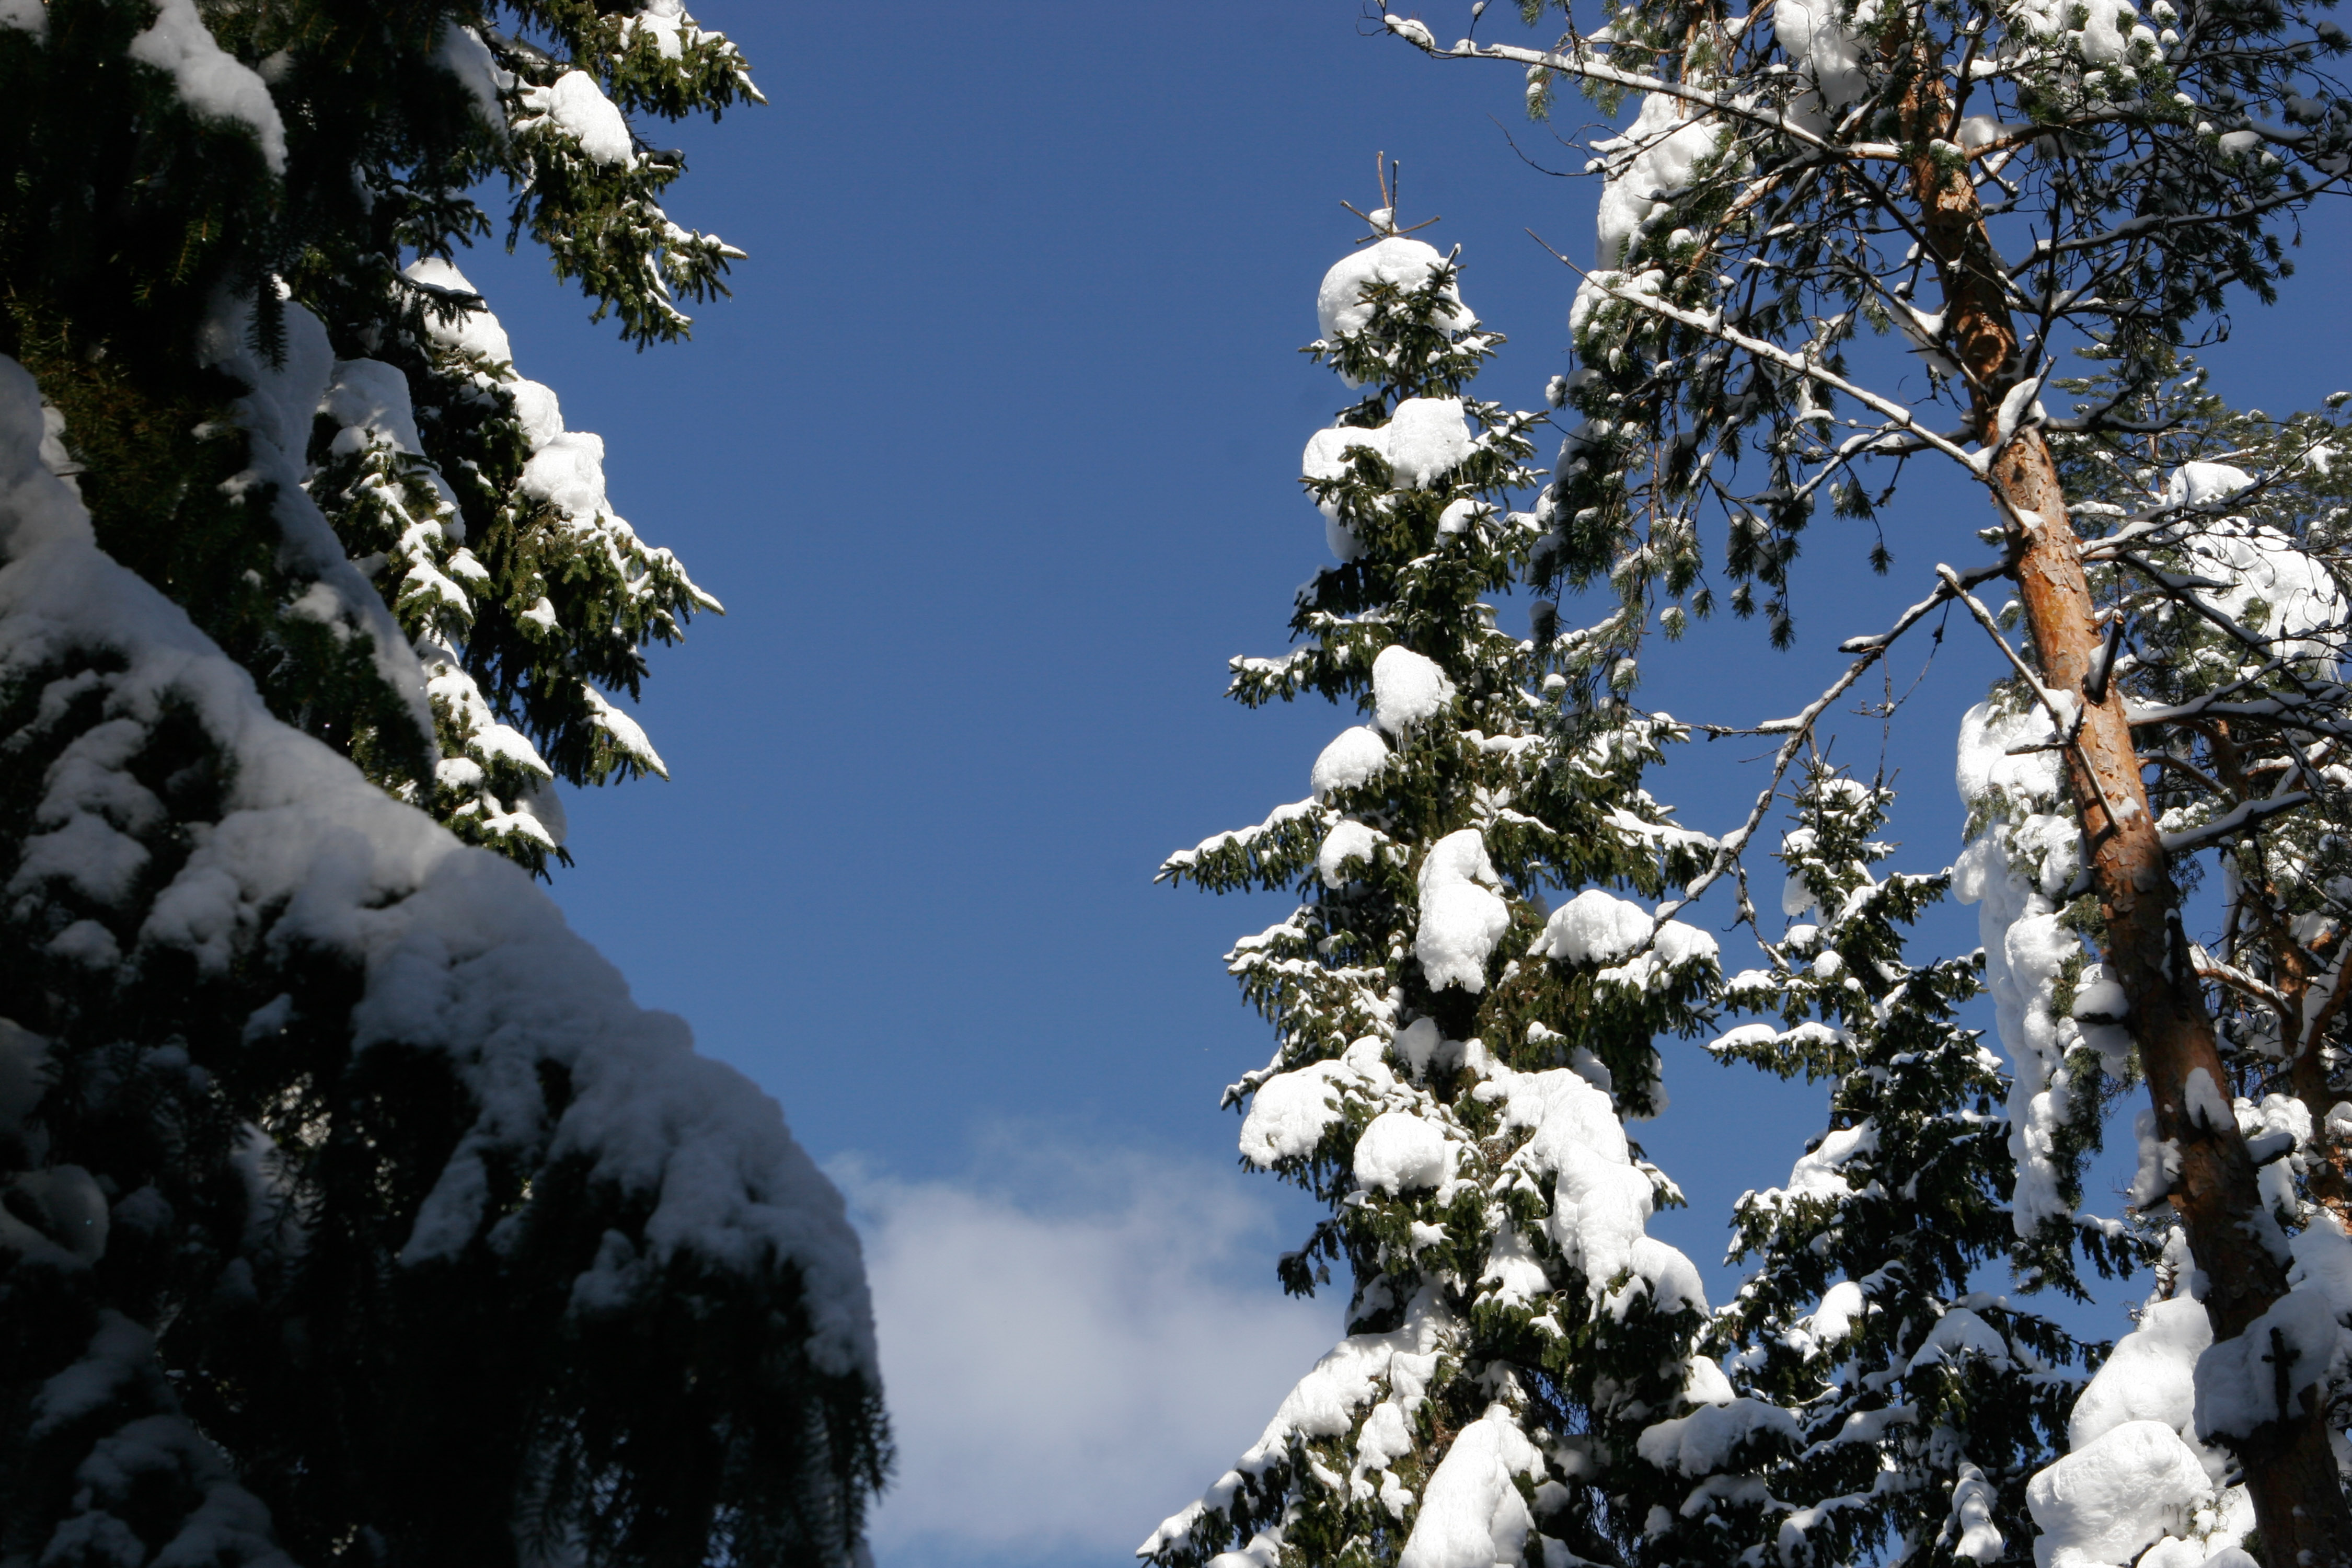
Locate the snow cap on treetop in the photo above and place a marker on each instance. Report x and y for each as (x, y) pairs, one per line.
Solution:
(1340, 305)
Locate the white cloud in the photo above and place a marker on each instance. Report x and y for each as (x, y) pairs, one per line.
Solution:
(1074, 1343)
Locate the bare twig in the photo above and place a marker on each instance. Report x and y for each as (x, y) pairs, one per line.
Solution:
(1798, 729)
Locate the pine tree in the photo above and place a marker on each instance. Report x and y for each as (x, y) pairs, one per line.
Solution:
(1454, 1058)
(2229, 622)
(1989, 186)
(353, 1212)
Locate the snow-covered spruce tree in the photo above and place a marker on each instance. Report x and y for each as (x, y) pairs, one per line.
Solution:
(351, 1211)
(1454, 1062)
(1998, 181)
(1926, 1405)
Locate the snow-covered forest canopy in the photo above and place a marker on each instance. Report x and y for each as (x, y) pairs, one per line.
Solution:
(357, 1212)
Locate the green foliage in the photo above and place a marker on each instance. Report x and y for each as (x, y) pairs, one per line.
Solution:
(131, 219)
(226, 1343)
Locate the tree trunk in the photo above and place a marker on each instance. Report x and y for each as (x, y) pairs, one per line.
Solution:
(2288, 1468)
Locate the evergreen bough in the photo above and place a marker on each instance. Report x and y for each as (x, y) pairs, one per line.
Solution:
(349, 1211)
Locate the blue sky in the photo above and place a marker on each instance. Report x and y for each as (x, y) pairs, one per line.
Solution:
(994, 459)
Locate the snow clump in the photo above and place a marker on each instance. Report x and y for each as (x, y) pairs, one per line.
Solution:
(1427, 438)
(463, 55)
(2016, 870)
(213, 83)
(2306, 612)
(1348, 840)
(2102, 1504)
(2110, 33)
(1328, 457)
(1339, 306)
(1972, 1505)
(1834, 1319)
(1400, 1151)
(1417, 1045)
(578, 107)
(2238, 1380)
(472, 331)
(1472, 1515)
(1407, 688)
(1353, 758)
(2150, 1375)
(1701, 1443)
(1462, 914)
(1829, 50)
(1602, 1203)
(2205, 484)
(668, 24)
(1644, 169)
(1289, 1114)
(1959, 1332)
(1821, 1172)
(1424, 440)
(1595, 927)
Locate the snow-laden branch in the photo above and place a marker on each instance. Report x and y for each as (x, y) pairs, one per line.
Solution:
(1588, 69)
(1898, 418)
(2209, 967)
(2065, 710)
(2246, 813)
(2178, 587)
